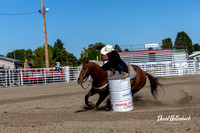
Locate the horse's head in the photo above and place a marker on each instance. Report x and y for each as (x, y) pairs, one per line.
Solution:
(85, 71)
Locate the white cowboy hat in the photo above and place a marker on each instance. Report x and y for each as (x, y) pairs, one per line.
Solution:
(107, 49)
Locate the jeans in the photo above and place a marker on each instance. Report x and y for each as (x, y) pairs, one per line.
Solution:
(117, 72)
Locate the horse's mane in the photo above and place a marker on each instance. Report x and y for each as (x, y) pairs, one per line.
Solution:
(98, 66)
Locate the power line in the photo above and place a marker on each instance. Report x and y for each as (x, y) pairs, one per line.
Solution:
(13, 14)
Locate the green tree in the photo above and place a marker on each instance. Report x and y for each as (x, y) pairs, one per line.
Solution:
(166, 43)
(59, 44)
(183, 41)
(72, 60)
(56, 53)
(150, 48)
(93, 51)
(29, 54)
(21, 54)
(117, 48)
(126, 49)
(61, 55)
(39, 57)
(98, 46)
(196, 47)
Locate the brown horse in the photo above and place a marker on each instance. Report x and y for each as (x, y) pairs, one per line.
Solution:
(100, 82)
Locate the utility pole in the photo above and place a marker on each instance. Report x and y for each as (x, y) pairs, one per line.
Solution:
(45, 36)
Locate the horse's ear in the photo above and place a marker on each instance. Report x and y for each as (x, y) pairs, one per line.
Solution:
(85, 60)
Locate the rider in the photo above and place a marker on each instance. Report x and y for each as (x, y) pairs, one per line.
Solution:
(114, 61)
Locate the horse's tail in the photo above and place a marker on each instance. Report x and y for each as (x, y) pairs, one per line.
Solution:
(154, 84)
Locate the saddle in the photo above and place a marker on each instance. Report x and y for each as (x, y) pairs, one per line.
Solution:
(131, 72)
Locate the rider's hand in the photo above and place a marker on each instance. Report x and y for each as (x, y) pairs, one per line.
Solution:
(125, 75)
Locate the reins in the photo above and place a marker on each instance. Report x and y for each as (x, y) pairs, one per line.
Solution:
(87, 79)
(84, 82)
(86, 87)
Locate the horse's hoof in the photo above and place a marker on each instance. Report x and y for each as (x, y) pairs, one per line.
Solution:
(91, 105)
(94, 109)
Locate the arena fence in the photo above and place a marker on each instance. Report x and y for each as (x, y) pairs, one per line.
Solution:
(171, 68)
(21, 77)
(162, 55)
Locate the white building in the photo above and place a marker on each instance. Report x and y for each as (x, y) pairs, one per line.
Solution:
(195, 55)
(9, 63)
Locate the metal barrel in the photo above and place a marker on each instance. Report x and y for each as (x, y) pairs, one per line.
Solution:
(120, 94)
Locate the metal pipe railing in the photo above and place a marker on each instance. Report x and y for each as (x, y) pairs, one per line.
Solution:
(20, 77)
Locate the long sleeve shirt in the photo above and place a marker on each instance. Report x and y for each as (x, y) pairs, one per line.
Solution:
(115, 62)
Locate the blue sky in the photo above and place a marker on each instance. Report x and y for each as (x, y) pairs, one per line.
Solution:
(79, 23)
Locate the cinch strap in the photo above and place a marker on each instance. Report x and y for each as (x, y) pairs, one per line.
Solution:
(101, 86)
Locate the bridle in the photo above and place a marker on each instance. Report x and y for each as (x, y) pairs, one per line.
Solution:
(84, 80)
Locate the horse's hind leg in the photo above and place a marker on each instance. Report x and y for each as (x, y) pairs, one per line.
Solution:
(102, 97)
(88, 103)
(100, 100)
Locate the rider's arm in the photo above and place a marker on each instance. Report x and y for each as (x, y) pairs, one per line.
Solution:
(106, 66)
(120, 61)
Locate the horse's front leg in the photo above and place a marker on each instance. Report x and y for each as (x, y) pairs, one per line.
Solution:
(102, 97)
(87, 102)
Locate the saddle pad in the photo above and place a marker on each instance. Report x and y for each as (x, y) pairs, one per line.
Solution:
(131, 71)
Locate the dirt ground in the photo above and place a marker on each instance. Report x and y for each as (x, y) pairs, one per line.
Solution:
(59, 108)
